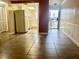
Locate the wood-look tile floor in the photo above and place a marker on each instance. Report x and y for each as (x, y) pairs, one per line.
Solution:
(32, 45)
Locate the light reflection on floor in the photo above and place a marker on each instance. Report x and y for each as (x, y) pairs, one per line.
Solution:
(33, 45)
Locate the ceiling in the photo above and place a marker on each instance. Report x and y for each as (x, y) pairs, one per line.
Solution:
(51, 2)
(7, 1)
(29, 6)
(23, 1)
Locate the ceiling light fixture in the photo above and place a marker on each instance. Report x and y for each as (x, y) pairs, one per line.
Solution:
(63, 1)
(1, 2)
(32, 8)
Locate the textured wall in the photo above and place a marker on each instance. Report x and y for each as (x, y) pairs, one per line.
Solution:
(70, 19)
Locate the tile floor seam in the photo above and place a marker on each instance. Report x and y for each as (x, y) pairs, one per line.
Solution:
(30, 49)
(60, 50)
(10, 39)
(55, 49)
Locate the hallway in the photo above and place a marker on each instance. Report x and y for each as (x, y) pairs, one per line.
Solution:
(32, 45)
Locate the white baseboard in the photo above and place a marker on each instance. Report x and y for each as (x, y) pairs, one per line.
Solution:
(74, 41)
(11, 33)
(43, 33)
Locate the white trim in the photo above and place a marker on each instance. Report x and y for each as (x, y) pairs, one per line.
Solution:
(74, 41)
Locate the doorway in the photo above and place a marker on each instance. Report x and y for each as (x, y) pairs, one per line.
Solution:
(25, 17)
(54, 16)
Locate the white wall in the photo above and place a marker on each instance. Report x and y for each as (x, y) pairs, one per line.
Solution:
(3, 17)
(70, 19)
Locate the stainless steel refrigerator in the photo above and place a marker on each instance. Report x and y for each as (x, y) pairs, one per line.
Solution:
(19, 20)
